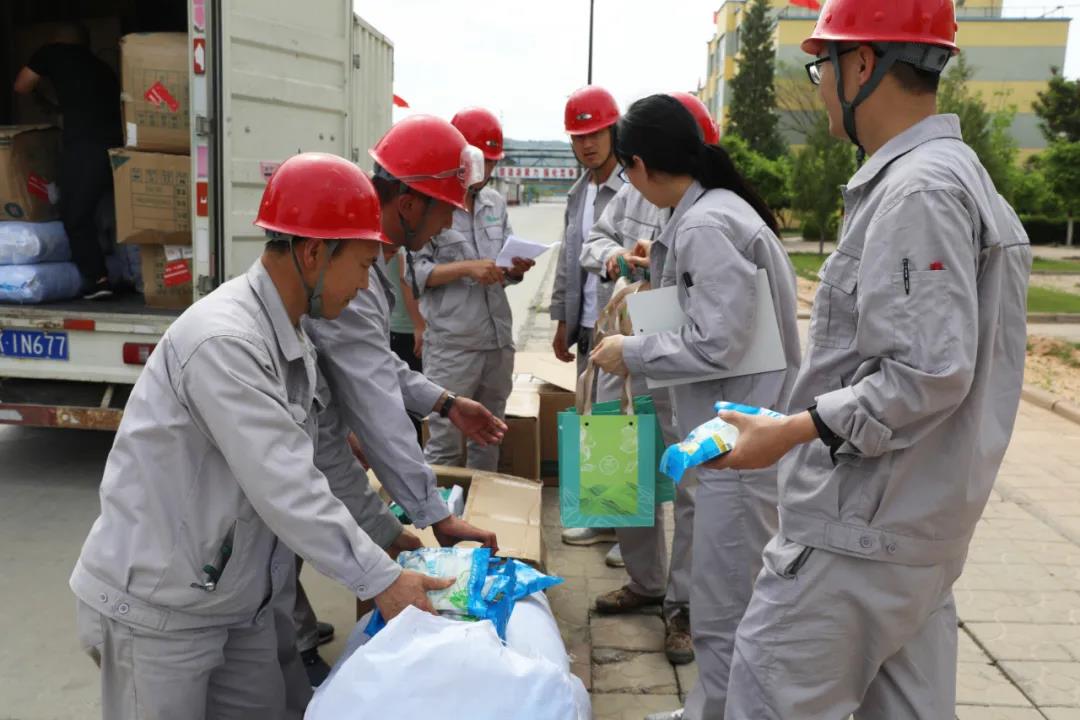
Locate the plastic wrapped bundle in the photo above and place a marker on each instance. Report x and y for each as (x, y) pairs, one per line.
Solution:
(35, 284)
(25, 243)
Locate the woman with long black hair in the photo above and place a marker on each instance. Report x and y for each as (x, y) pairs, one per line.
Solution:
(718, 238)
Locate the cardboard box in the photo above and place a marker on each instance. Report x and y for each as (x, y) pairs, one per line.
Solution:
(154, 77)
(556, 383)
(153, 197)
(519, 454)
(167, 278)
(29, 172)
(104, 43)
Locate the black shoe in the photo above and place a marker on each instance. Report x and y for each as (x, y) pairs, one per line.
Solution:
(316, 667)
(100, 290)
(326, 632)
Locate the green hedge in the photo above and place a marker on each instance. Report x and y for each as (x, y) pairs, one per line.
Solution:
(1045, 231)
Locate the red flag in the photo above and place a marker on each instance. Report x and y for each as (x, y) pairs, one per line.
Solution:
(400, 102)
(808, 4)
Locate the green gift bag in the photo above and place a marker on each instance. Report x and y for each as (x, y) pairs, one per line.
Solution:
(607, 462)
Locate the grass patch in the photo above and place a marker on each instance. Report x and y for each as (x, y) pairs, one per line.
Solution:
(807, 264)
(1045, 265)
(1052, 301)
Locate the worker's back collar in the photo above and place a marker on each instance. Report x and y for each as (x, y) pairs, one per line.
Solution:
(690, 197)
(935, 127)
(288, 337)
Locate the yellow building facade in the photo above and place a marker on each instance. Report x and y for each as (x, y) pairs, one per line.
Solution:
(1011, 59)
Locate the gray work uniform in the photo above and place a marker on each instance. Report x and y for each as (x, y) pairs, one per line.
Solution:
(469, 339)
(567, 299)
(916, 360)
(213, 466)
(711, 250)
(629, 217)
(349, 482)
(372, 389)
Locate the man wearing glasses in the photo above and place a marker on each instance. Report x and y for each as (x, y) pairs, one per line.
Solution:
(911, 383)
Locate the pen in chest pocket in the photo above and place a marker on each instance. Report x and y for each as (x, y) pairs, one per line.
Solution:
(907, 277)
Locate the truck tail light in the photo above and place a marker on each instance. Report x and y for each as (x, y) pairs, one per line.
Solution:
(137, 353)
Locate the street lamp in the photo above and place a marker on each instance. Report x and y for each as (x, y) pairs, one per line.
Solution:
(1048, 12)
(591, 2)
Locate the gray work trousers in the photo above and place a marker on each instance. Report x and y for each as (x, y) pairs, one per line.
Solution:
(735, 516)
(486, 376)
(828, 635)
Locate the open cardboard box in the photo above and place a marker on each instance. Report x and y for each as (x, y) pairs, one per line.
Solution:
(509, 506)
(554, 382)
(519, 454)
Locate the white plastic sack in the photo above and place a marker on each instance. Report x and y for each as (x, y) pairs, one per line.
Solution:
(33, 284)
(422, 665)
(26, 243)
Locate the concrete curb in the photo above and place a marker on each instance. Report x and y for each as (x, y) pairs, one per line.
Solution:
(1050, 401)
(1053, 317)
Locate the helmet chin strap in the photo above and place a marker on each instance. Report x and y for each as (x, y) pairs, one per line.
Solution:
(409, 234)
(314, 294)
(885, 62)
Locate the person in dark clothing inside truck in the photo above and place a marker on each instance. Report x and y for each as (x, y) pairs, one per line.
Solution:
(88, 92)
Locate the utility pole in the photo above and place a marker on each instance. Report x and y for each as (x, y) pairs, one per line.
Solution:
(591, 3)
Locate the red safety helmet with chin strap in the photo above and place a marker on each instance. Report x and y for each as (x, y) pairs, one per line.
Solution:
(431, 156)
(589, 109)
(921, 33)
(709, 129)
(321, 196)
(482, 130)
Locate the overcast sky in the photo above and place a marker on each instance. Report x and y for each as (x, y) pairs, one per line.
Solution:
(522, 58)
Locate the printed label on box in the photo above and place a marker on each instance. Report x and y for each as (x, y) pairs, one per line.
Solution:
(158, 95)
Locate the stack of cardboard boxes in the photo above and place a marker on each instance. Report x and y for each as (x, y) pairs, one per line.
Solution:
(152, 173)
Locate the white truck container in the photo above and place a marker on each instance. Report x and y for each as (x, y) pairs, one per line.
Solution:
(268, 79)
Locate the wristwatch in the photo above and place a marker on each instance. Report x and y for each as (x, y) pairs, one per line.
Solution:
(831, 439)
(448, 403)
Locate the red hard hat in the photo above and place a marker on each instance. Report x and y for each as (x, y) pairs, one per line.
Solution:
(431, 156)
(316, 195)
(927, 22)
(589, 109)
(481, 129)
(709, 128)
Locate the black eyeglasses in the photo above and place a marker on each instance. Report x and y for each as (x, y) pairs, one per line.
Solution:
(813, 68)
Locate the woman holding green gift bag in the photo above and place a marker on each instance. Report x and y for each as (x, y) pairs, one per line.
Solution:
(719, 236)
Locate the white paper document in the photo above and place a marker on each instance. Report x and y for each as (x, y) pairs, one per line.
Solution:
(658, 311)
(516, 247)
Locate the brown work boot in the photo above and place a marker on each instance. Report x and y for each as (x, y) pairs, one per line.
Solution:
(625, 600)
(677, 644)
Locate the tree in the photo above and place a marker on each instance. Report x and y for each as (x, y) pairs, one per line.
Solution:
(1058, 108)
(752, 113)
(770, 178)
(1062, 165)
(820, 168)
(986, 130)
(1032, 194)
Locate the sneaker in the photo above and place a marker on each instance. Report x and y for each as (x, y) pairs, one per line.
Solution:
(669, 715)
(677, 643)
(326, 632)
(588, 536)
(316, 667)
(101, 290)
(614, 557)
(625, 600)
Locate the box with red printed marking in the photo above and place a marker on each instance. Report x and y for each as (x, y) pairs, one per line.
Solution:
(154, 75)
(29, 167)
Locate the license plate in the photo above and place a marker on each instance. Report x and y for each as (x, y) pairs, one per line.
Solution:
(34, 344)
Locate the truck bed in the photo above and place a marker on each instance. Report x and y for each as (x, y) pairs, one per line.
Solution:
(127, 304)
